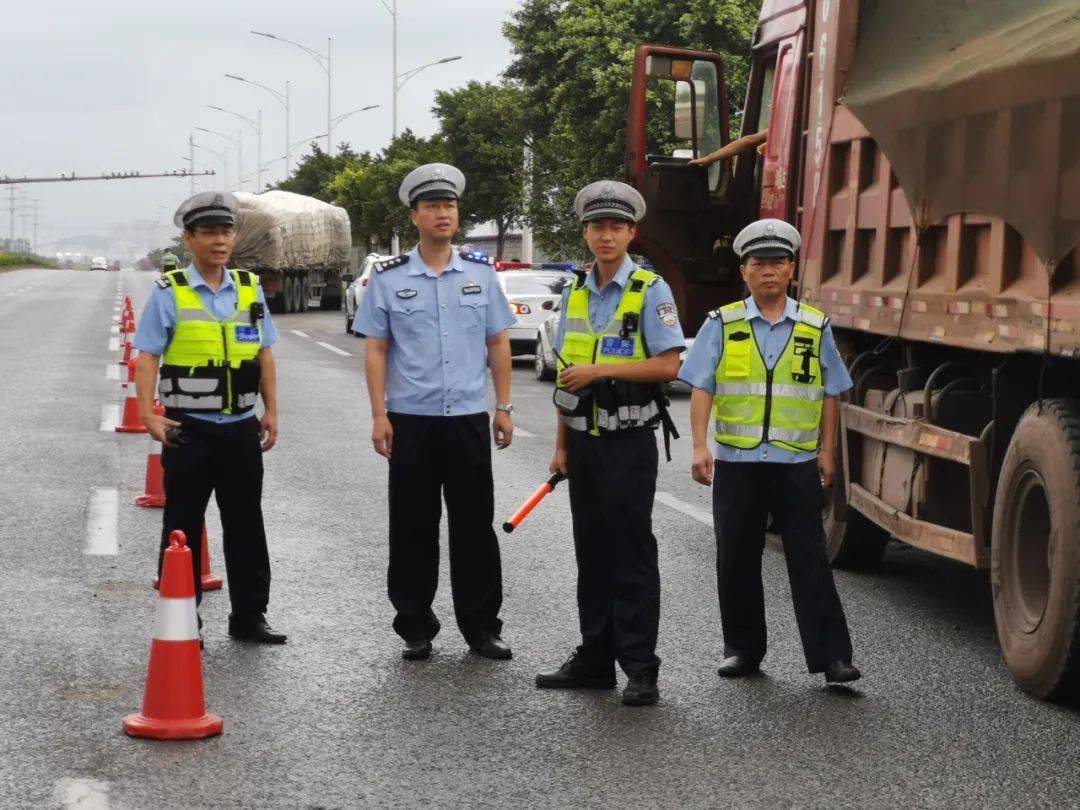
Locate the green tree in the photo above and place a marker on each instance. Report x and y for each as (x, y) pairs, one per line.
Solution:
(369, 190)
(483, 127)
(573, 62)
(317, 169)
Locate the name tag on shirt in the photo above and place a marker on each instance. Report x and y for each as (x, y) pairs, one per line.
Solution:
(471, 289)
(247, 334)
(617, 347)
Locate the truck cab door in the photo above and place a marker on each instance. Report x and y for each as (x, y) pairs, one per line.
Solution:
(679, 111)
(780, 171)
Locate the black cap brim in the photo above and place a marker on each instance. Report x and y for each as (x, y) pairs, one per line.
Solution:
(769, 253)
(436, 194)
(210, 219)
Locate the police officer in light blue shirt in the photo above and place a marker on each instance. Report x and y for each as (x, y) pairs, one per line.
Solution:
(787, 355)
(435, 321)
(606, 445)
(212, 439)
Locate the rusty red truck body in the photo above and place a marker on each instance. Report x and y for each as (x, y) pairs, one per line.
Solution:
(930, 156)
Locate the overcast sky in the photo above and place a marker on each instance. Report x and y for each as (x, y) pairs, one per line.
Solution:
(118, 86)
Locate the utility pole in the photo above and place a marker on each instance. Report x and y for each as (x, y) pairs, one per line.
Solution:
(11, 211)
(37, 219)
(191, 158)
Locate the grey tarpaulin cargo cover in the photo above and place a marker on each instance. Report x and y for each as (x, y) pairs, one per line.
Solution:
(279, 230)
(976, 103)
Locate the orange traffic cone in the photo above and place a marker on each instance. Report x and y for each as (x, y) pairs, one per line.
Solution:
(210, 582)
(174, 705)
(154, 497)
(131, 422)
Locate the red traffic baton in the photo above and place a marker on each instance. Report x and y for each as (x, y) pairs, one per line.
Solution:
(524, 510)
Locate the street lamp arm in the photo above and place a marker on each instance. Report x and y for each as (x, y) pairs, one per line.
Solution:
(275, 93)
(251, 122)
(408, 74)
(339, 118)
(320, 58)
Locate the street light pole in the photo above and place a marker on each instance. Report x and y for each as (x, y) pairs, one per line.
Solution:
(283, 100)
(325, 62)
(257, 126)
(238, 142)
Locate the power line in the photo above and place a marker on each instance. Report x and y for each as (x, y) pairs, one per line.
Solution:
(67, 178)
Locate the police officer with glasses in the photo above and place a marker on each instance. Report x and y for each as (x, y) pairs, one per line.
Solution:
(766, 376)
(618, 340)
(435, 321)
(206, 334)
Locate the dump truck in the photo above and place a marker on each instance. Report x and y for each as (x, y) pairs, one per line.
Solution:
(298, 246)
(929, 153)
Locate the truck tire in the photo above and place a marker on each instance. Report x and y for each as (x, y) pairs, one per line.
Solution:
(1035, 551)
(856, 543)
(290, 295)
(331, 299)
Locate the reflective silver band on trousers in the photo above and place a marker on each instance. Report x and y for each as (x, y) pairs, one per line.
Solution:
(805, 392)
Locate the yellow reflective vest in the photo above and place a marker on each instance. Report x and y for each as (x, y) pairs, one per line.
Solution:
(212, 366)
(612, 406)
(780, 406)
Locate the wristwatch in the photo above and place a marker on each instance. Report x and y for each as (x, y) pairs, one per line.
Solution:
(507, 408)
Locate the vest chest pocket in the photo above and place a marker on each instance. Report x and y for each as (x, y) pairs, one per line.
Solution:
(408, 316)
(473, 310)
(736, 359)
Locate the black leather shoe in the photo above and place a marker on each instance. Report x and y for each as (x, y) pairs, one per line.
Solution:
(641, 690)
(418, 650)
(255, 630)
(841, 672)
(575, 675)
(735, 666)
(491, 646)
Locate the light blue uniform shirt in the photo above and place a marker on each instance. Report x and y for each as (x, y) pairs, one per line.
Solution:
(158, 323)
(699, 370)
(437, 325)
(660, 326)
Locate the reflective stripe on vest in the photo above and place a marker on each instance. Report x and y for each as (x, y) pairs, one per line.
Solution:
(581, 344)
(779, 406)
(199, 367)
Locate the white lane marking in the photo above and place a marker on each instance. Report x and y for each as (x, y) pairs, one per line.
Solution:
(110, 417)
(700, 515)
(114, 344)
(298, 333)
(114, 329)
(101, 522)
(520, 431)
(116, 319)
(334, 349)
(8, 295)
(84, 794)
(112, 372)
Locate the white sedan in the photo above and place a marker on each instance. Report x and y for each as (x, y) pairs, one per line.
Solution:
(354, 293)
(534, 292)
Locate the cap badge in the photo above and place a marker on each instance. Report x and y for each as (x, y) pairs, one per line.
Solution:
(770, 229)
(218, 200)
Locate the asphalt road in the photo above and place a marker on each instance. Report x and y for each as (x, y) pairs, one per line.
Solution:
(337, 719)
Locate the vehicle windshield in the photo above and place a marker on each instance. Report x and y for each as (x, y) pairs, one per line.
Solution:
(535, 283)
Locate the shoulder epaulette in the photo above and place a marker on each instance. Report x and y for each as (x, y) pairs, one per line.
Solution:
(390, 264)
(714, 314)
(479, 258)
(732, 312)
(163, 283)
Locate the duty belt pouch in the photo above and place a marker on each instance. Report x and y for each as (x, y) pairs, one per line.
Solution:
(567, 402)
(627, 411)
(604, 394)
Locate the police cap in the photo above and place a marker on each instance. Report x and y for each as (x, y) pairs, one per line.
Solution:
(768, 239)
(609, 199)
(206, 208)
(432, 181)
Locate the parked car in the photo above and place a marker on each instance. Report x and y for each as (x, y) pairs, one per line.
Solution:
(534, 291)
(354, 292)
(115, 265)
(545, 363)
(99, 263)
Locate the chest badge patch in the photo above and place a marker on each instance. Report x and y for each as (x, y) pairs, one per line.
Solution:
(247, 334)
(406, 293)
(471, 288)
(617, 347)
(667, 314)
